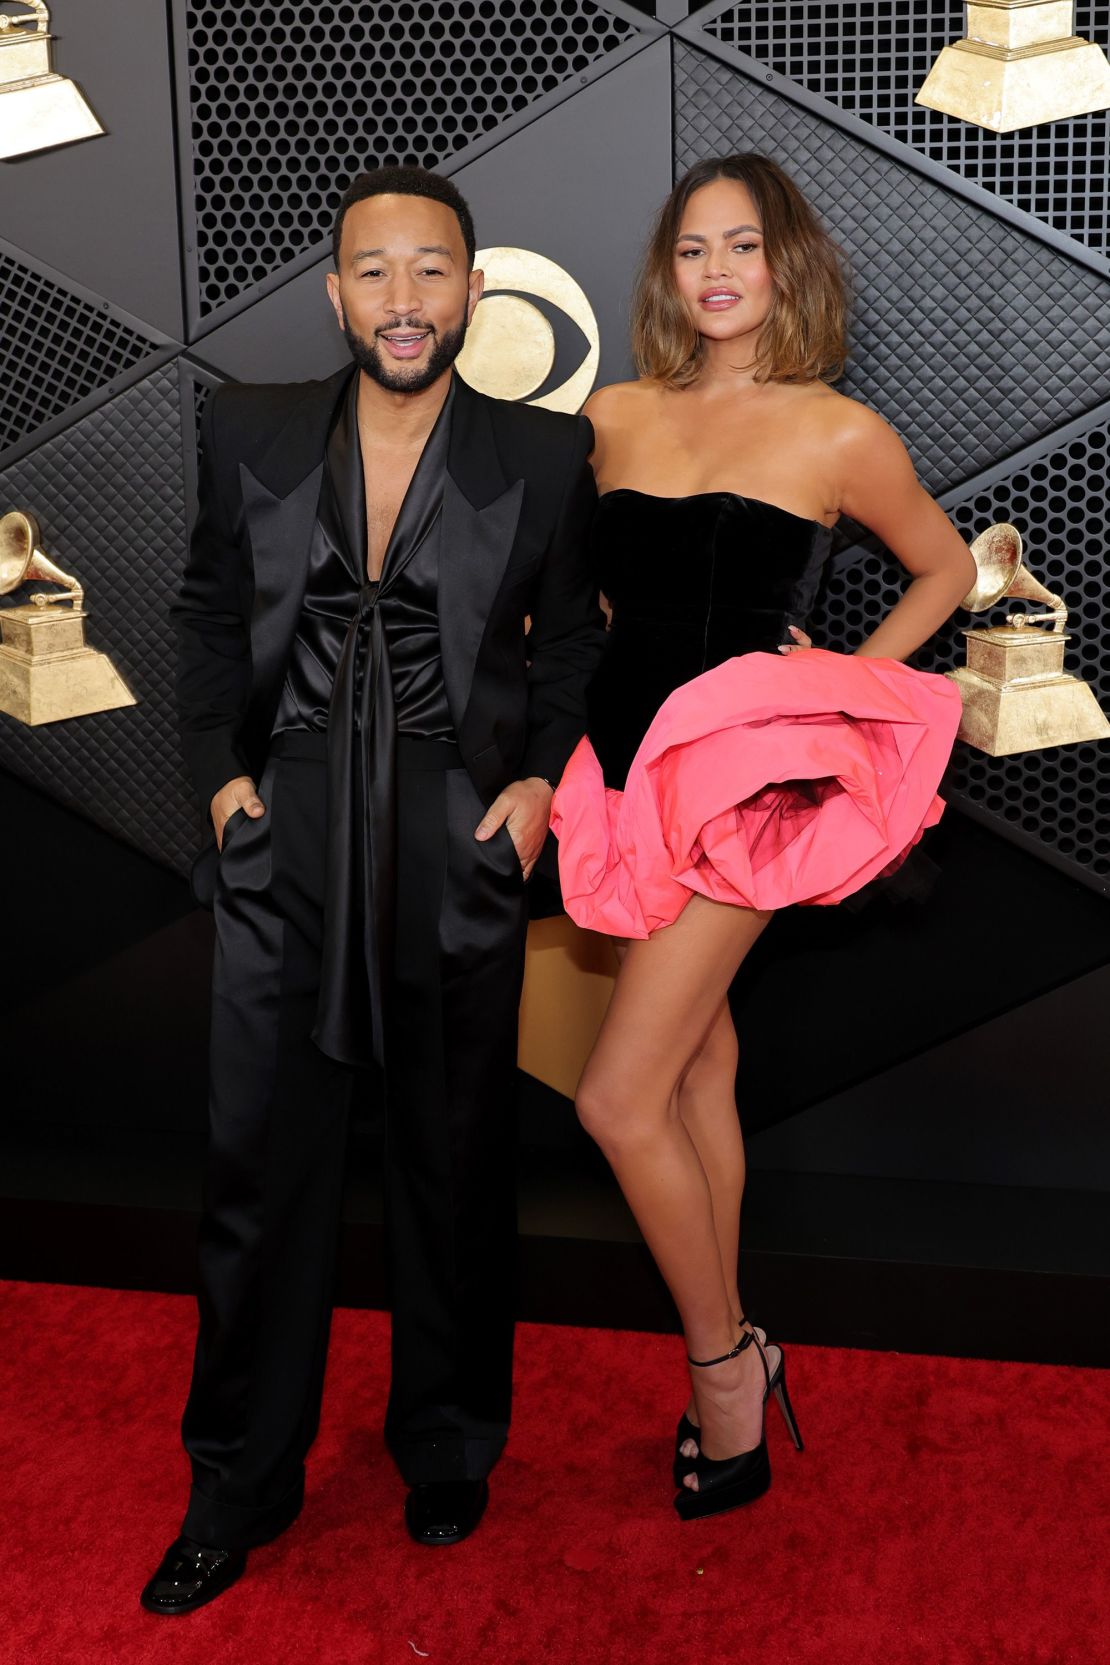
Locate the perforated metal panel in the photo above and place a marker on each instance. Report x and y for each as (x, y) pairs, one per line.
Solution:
(56, 348)
(870, 57)
(973, 338)
(1060, 797)
(108, 496)
(289, 101)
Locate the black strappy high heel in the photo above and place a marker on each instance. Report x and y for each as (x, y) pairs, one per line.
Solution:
(687, 1430)
(734, 1481)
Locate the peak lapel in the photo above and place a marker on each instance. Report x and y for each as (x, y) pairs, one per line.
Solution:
(280, 497)
(481, 510)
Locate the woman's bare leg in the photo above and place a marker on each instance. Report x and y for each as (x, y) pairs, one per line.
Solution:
(707, 1105)
(706, 1101)
(667, 997)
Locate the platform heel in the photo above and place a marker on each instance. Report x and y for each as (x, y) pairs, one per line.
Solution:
(732, 1482)
(687, 1430)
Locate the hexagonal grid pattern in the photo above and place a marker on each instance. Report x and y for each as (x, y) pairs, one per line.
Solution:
(870, 57)
(108, 495)
(951, 362)
(55, 349)
(1059, 797)
(288, 101)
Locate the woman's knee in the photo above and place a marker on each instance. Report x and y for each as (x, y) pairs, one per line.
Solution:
(597, 1107)
(612, 1116)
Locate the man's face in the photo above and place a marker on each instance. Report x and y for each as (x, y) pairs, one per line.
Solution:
(402, 294)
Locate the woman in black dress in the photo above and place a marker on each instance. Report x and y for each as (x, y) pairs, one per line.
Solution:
(722, 471)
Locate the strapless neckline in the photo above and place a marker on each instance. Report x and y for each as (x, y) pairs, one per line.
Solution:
(695, 496)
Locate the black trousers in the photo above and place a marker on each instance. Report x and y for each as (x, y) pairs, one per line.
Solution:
(279, 1112)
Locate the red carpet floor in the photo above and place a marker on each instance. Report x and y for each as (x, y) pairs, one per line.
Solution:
(945, 1512)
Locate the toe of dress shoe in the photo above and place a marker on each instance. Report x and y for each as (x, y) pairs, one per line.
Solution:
(190, 1575)
(445, 1511)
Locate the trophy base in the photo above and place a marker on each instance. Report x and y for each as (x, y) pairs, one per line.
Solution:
(47, 111)
(1004, 90)
(68, 685)
(1003, 719)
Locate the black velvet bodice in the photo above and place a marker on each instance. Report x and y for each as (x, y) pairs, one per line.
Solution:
(692, 581)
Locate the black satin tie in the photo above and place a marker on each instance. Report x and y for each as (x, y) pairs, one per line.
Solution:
(362, 733)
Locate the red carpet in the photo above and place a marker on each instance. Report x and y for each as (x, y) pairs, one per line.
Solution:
(945, 1512)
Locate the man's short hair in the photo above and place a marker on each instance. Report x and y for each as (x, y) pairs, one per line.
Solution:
(405, 182)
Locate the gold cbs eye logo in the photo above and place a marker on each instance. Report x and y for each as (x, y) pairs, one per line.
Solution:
(511, 346)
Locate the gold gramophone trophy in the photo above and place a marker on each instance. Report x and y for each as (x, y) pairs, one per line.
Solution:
(1017, 696)
(47, 672)
(38, 107)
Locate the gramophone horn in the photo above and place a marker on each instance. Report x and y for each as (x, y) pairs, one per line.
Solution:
(997, 556)
(18, 536)
(21, 559)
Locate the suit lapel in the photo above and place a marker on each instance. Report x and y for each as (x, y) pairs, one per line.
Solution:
(280, 498)
(481, 510)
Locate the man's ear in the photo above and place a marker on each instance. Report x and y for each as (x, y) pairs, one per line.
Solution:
(477, 284)
(333, 297)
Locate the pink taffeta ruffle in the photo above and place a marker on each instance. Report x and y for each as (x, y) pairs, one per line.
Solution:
(771, 780)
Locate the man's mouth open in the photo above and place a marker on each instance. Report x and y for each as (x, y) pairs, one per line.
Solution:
(404, 343)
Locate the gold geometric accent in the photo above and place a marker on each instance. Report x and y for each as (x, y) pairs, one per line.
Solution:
(38, 109)
(1021, 65)
(511, 345)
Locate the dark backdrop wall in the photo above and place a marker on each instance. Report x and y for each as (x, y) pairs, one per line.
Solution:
(189, 244)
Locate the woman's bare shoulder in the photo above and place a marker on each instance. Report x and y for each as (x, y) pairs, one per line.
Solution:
(610, 405)
(843, 418)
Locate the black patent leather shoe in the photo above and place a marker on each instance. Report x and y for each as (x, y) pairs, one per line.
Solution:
(190, 1575)
(445, 1511)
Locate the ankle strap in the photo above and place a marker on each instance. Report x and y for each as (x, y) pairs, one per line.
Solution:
(704, 1364)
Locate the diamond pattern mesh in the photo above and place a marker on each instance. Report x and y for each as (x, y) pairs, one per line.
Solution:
(957, 314)
(870, 57)
(289, 101)
(55, 349)
(108, 496)
(1059, 797)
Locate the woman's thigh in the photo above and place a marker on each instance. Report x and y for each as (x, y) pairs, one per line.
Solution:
(668, 994)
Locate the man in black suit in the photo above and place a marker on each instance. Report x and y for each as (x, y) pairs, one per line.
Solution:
(377, 740)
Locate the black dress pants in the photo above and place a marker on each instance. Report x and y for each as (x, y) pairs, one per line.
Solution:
(279, 1111)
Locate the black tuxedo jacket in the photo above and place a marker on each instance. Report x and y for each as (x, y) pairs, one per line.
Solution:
(517, 502)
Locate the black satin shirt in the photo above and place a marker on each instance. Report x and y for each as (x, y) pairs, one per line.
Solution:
(337, 572)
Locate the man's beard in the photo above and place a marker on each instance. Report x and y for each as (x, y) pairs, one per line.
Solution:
(368, 356)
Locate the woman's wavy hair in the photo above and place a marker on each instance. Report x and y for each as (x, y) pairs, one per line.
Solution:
(805, 335)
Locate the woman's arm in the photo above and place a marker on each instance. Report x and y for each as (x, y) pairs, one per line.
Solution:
(880, 489)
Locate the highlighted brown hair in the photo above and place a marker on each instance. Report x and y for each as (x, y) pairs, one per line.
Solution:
(804, 337)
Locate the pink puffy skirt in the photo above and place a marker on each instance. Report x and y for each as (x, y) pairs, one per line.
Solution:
(771, 779)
